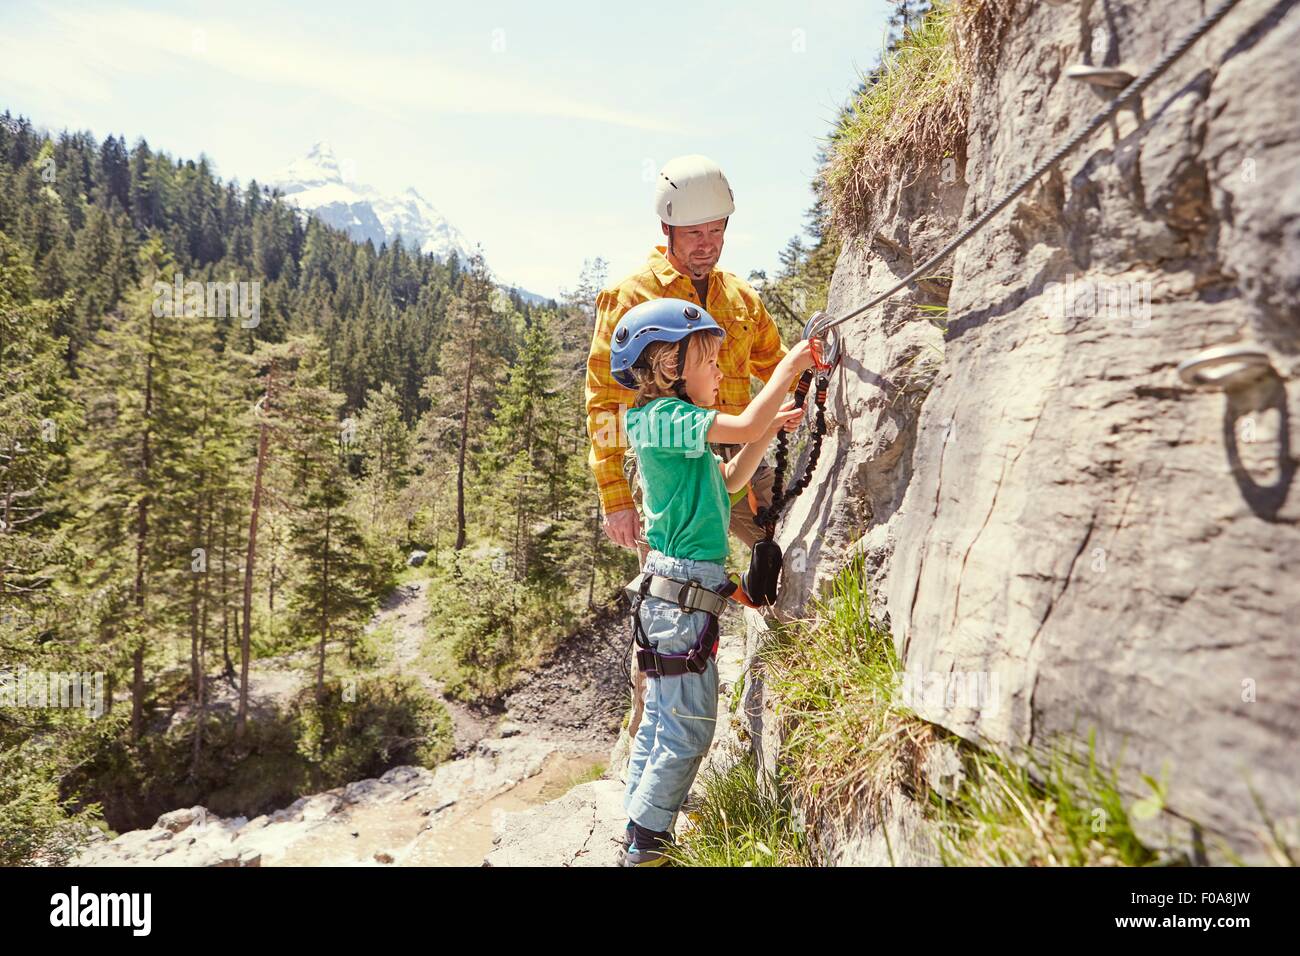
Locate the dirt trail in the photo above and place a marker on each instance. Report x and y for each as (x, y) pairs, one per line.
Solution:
(576, 697)
(406, 609)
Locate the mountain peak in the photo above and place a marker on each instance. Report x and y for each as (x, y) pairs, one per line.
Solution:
(316, 184)
(318, 167)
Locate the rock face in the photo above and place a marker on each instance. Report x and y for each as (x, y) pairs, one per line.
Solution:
(1045, 509)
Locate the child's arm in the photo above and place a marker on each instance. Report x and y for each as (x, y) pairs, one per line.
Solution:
(737, 472)
(753, 423)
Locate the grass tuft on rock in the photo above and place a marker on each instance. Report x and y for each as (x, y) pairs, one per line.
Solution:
(741, 822)
(910, 112)
(850, 744)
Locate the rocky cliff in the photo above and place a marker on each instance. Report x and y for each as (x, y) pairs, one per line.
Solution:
(1044, 505)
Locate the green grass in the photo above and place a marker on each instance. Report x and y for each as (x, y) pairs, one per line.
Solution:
(741, 823)
(1054, 810)
(376, 645)
(737, 693)
(845, 741)
(1280, 838)
(592, 773)
(917, 374)
(409, 575)
(438, 659)
(913, 114)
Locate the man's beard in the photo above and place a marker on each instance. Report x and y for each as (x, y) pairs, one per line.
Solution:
(701, 267)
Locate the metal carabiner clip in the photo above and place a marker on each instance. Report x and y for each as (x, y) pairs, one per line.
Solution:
(825, 348)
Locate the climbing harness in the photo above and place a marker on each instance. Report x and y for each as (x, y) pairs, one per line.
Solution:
(1129, 92)
(688, 596)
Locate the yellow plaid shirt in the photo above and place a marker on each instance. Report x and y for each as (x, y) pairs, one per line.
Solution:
(752, 347)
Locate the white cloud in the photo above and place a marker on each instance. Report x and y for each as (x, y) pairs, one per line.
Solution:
(82, 51)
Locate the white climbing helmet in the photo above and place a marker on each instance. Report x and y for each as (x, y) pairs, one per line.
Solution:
(692, 190)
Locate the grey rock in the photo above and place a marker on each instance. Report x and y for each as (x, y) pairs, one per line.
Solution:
(360, 790)
(321, 805)
(403, 775)
(1047, 512)
(580, 828)
(178, 820)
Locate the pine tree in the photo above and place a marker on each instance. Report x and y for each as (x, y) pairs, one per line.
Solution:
(201, 445)
(145, 200)
(588, 555)
(135, 420)
(471, 362)
(103, 268)
(523, 460)
(384, 444)
(114, 175)
(330, 594)
(35, 418)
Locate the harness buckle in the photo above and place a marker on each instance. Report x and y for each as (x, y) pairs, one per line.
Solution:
(649, 661)
(681, 595)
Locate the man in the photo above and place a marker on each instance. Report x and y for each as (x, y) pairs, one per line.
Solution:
(694, 202)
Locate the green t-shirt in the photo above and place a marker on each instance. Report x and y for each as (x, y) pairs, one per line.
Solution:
(684, 497)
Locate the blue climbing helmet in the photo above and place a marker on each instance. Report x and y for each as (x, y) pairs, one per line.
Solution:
(655, 320)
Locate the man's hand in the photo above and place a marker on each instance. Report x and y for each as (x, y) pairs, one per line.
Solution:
(623, 528)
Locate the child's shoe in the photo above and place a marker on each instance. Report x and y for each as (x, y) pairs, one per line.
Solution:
(634, 855)
(625, 839)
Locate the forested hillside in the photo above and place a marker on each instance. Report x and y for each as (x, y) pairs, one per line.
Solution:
(195, 477)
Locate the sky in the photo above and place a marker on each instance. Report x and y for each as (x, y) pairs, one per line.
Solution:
(538, 130)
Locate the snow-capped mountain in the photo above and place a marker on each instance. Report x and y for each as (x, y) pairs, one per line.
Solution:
(318, 184)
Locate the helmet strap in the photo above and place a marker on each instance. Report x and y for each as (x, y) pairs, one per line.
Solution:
(679, 386)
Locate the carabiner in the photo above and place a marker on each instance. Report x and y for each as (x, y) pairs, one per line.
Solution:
(825, 348)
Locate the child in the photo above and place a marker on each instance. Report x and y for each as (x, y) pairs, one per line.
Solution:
(667, 349)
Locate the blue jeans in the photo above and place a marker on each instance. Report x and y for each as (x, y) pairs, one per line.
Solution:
(680, 712)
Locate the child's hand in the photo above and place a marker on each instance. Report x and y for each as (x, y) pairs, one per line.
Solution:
(800, 357)
(787, 419)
